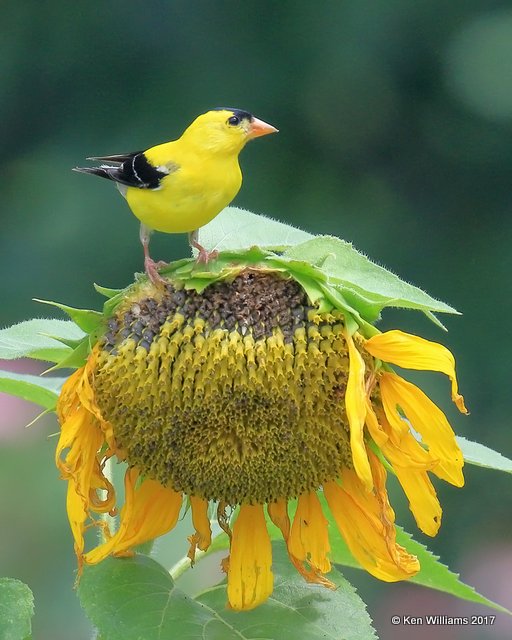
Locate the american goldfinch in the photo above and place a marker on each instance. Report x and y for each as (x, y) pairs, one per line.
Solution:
(179, 186)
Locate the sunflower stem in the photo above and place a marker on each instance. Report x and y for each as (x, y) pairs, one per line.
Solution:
(183, 564)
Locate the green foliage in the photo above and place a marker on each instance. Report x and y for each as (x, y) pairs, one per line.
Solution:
(433, 573)
(331, 271)
(236, 229)
(33, 339)
(368, 287)
(338, 274)
(482, 456)
(136, 598)
(85, 319)
(16, 610)
(40, 390)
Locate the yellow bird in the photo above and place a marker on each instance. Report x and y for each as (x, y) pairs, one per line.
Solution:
(179, 186)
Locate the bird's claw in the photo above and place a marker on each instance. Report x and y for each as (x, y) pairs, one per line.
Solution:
(204, 256)
(151, 267)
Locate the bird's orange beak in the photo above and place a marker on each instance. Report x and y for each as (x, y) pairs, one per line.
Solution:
(259, 128)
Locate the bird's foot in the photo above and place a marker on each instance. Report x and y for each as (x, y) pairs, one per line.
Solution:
(204, 256)
(151, 267)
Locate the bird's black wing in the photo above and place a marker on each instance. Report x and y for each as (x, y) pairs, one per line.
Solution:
(131, 169)
(120, 157)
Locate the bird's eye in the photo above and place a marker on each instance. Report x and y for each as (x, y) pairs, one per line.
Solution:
(233, 121)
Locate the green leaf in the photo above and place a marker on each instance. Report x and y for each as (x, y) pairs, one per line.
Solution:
(31, 339)
(136, 598)
(295, 609)
(107, 291)
(16, 610)
(436, 575)
(433, 574)
(365, 285)
(87, 319)
(482, 456)
(236, 228)
(42, 391)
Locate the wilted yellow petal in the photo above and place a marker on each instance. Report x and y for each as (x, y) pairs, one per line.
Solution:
(405, 450)
(278, 513)
(309, 537)
(422, 498)
(203, 536)
(366, 521)
(250, 579)
(77, 514)
(378, 434)
(355, 405)
(68, 395)
(150, 510)
(412, 352)
(76, 456)
(428, 420)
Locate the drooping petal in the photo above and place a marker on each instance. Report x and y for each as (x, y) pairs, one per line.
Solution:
(250, 579)
(87, 398)
(366, 521)
(355, 405)
(405, 451)
(76, 458)
(422, 498)
(278, 513)
(309, 537)
(375, 430)
(412, 352)
(428, 420)
(202, 538)
(77, 515)
(410, 462)
(150, 510)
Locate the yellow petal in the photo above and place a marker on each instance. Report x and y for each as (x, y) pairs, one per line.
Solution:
(309, 537)
(68, 395)
(380, 437)
(203, 536)
(412, 352)
(105, 501)
(76, 457)
(366, 521)
(250, 579)
(278, 513)
(77, 514)
(150, 510)
(405, 451)
(422, 498)
(355, 405)
(428, 420)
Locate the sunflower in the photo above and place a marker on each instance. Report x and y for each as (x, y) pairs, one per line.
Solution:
(244, 398)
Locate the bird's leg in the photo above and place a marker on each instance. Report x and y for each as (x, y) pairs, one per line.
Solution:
(150, 266)
(204, 256)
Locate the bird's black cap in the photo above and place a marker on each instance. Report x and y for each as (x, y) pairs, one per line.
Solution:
(239, 113)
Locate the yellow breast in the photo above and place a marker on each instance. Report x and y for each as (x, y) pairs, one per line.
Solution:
(189, 197)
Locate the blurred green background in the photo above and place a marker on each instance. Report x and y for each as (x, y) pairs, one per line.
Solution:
(395, 126)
